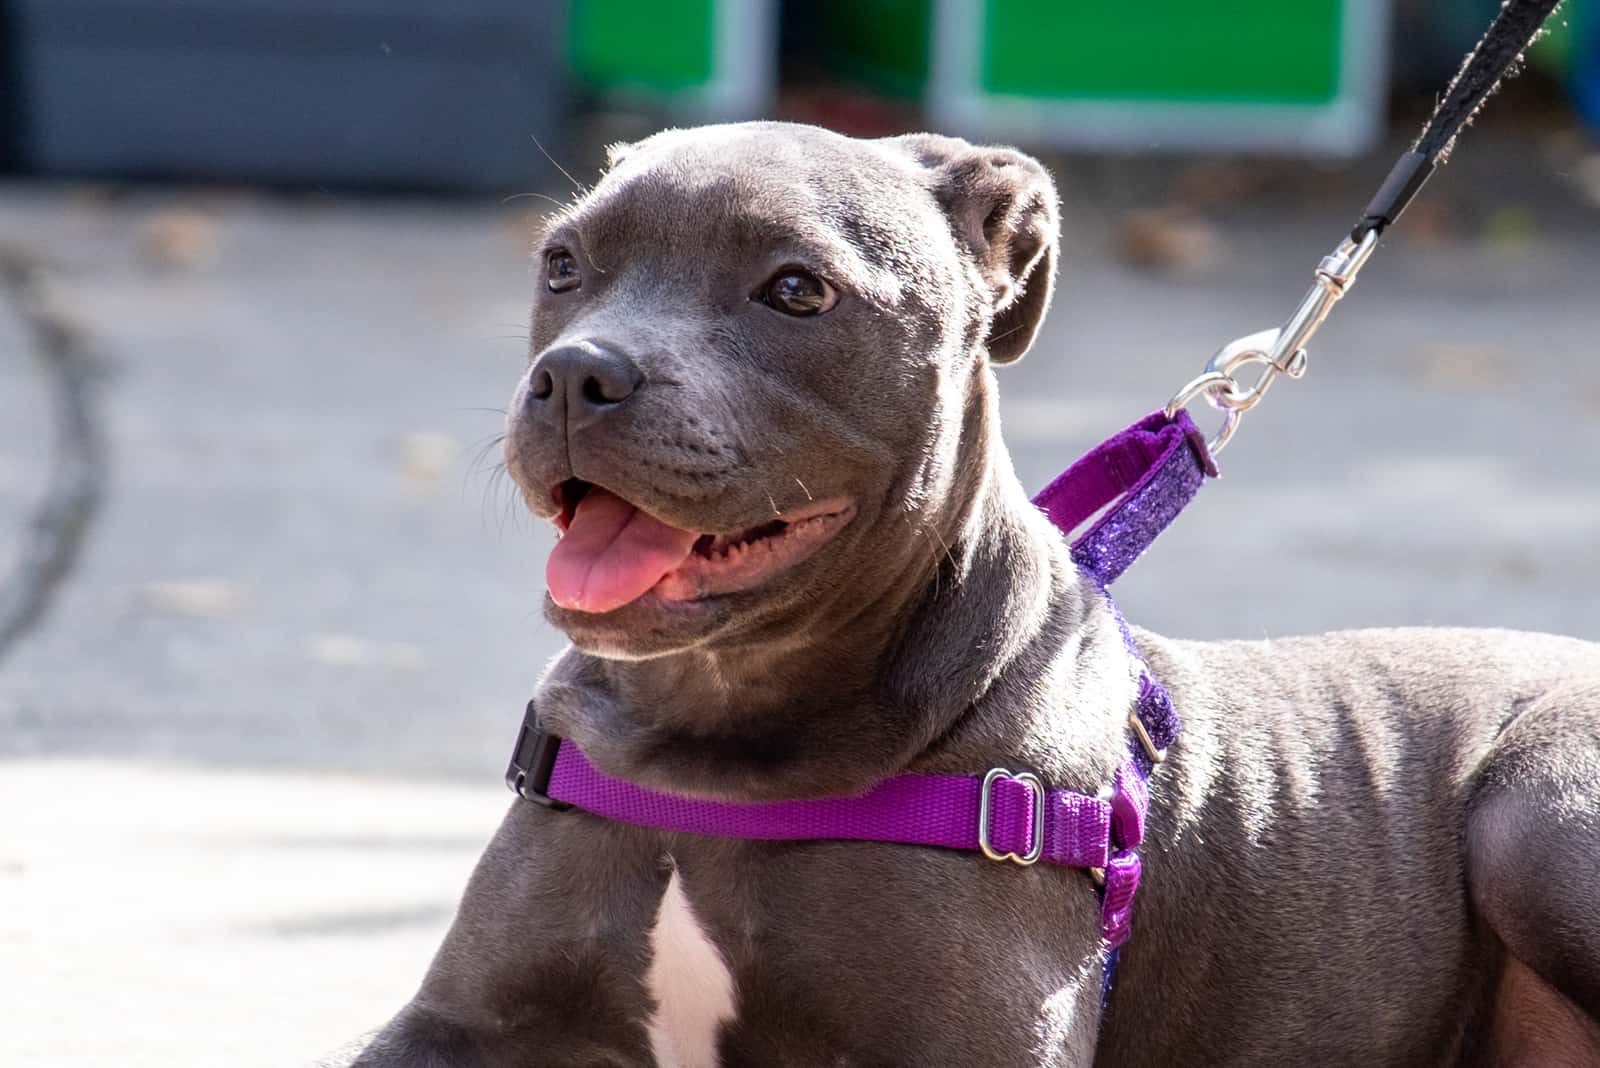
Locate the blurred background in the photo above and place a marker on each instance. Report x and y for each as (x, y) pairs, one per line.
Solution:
(268, 611)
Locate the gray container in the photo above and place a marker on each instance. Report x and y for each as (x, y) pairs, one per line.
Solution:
(392, 93)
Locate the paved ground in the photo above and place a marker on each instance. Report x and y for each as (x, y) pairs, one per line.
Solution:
(248, 759)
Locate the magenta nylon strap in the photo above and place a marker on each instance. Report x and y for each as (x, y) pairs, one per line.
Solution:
(925, 810)
(1137, 482)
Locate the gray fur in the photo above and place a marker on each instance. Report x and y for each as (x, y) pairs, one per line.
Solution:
(1375, 847)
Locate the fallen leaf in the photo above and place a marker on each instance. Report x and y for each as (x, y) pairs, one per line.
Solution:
(349, 650)
(1430, 221)
(179, 238)
(1169, 239)
(1473, 367)
(1512, 229)
(429, 455)
(196, 598)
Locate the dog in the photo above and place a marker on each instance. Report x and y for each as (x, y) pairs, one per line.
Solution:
(761, 404)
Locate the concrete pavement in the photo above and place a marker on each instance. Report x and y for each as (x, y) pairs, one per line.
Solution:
(158, 915)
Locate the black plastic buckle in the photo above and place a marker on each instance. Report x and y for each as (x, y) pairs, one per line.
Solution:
(532, 761)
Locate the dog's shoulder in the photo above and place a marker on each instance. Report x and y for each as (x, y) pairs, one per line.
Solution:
(1416, 666)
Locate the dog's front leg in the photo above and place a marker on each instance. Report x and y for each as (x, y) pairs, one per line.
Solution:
(546, 959)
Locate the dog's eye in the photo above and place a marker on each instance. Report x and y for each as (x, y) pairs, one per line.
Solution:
(797, 292)
(561, 271)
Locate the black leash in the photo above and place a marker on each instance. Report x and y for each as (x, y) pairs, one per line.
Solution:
(1282, 351)
(1496, 56)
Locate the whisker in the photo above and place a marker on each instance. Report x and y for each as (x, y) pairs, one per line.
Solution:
(576, 185)
(477, 467)
(925, 530)
(485, 495)
(584, 248)
(1008, 333)
(480, 454)
(542, 196)
(510, 499)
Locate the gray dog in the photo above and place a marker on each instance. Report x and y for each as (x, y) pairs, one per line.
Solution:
(797, 561)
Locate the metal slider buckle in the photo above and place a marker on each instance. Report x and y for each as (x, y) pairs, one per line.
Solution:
(533, 759)
(985, 804)
(1140, 732)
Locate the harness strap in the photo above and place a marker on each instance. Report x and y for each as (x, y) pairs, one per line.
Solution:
(925, 810)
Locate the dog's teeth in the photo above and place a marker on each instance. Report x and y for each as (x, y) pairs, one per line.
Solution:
(726, 548)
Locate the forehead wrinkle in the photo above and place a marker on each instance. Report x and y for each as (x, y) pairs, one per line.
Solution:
(748, 215)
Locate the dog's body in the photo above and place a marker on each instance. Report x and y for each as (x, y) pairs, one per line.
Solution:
(1376, 847)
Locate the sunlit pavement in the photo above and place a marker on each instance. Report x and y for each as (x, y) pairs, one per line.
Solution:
(248, 759)
(159, 916)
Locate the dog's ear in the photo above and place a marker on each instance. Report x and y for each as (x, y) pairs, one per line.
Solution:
(1003, 207)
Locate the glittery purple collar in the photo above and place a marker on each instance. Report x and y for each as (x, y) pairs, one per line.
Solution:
(1141, 477)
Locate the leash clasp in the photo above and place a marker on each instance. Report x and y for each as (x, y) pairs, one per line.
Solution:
(1335, 274)
(986, 804)
(533, 761)
(1279, 352)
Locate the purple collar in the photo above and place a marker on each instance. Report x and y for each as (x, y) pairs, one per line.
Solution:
(1142, 478)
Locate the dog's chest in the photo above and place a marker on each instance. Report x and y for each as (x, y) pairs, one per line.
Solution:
(848, 953)
(688, 982)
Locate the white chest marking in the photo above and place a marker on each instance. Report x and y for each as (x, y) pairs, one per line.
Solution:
(691, 985)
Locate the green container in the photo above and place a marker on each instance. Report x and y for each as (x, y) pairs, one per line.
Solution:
(703, 58)
(1306, 76)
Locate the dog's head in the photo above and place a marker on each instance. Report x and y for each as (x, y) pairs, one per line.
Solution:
(759, 369)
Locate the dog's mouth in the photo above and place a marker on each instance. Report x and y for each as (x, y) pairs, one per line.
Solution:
(612, 552)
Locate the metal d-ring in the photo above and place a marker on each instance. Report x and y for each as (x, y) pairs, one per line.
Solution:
(1143, 734)
(1209, 383)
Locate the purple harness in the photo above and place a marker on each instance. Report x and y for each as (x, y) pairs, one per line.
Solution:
(1141, 478)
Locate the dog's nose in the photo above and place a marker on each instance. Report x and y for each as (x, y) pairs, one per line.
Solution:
(585, 378)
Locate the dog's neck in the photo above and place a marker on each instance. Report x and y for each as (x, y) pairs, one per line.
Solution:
(922, 649)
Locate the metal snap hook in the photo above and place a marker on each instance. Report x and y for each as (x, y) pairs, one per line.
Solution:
(1280, 352)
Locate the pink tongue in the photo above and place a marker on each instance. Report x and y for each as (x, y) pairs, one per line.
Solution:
(612, 553)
